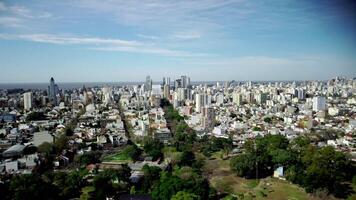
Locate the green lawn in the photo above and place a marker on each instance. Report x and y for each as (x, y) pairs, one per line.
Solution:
(121, 156)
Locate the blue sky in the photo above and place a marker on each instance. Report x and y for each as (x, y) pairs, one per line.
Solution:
(125, 40)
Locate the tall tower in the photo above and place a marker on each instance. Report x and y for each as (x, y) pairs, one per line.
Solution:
(27, 100)
(166, 91)
(148, 85)
(52, 91)
(319, 103)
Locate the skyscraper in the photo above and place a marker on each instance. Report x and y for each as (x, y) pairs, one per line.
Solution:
(148, 84)
(208, 117)
(319, 103)
(166, 91)
(52, 91)
(27, 100)
(237, 98)
(185, 81)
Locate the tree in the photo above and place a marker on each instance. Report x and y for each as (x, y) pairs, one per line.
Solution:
(168, 186)
(69, 184)
(88, 158)
(187, 158)
(182, 195)
(153, 147)
(110, 181)
(267, 119)
(61, 143)
(132, 151)
(45, 148)
(328, 170)
(244, 165)
(31, 186)
(262, 156)
(151, 176)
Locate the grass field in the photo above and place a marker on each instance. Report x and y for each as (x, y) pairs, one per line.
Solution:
(224, 180)
(117, 157)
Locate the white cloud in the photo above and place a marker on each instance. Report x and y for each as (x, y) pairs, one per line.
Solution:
(187, 35)
(101, 44)
(166, 15)
(55, 39)
(19, 16)
(150, 37)
(11, 22)
(2, 6)
(151, 50)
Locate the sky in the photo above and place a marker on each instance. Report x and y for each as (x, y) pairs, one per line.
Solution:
(125, 40)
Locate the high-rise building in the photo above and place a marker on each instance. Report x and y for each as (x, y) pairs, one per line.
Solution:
(319, 103)
(185, 81)
(261, 98)
(27, 100)
(166, 91)
(219, 98)
(202, 100)
(148, 84)
(301, 94)
(237, 98)
(177, 84)
(52, 91)
(198, 102)
(107, 95)
(208, 117)
(166, 81)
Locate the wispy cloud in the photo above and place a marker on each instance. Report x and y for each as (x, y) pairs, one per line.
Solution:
(150, 37)
(152, 50)
(188, 35)
(169, 16)
(28, 13)
(56, 39)
(11, 22)
(19, 16)
(101, 44)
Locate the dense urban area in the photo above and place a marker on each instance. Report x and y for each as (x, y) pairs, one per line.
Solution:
(180, 140)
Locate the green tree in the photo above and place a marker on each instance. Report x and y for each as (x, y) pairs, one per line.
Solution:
(45, 148)
(61, 143)
(169, 185)
(244, 165)
(132, 151)
(150, 178)
(108, 182)
(182, 195)
(153, 147)
(187, 158)
(31, 186)
(88, 158)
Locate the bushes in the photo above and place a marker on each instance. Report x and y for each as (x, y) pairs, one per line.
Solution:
(312, 168)
(153, 148)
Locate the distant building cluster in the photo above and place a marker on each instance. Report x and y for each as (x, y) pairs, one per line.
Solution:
(106, 116)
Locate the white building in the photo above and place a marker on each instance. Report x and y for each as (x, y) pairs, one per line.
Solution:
(27, 100)
(237, 98)
(319, 103)
(166, 91)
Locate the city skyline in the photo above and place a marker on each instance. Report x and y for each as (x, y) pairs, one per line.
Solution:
(110, 41)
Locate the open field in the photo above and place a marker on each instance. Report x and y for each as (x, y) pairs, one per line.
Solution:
(120, 156)
(224, 180)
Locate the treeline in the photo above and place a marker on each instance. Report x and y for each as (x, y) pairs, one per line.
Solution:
(63, 185)
(315, 169)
